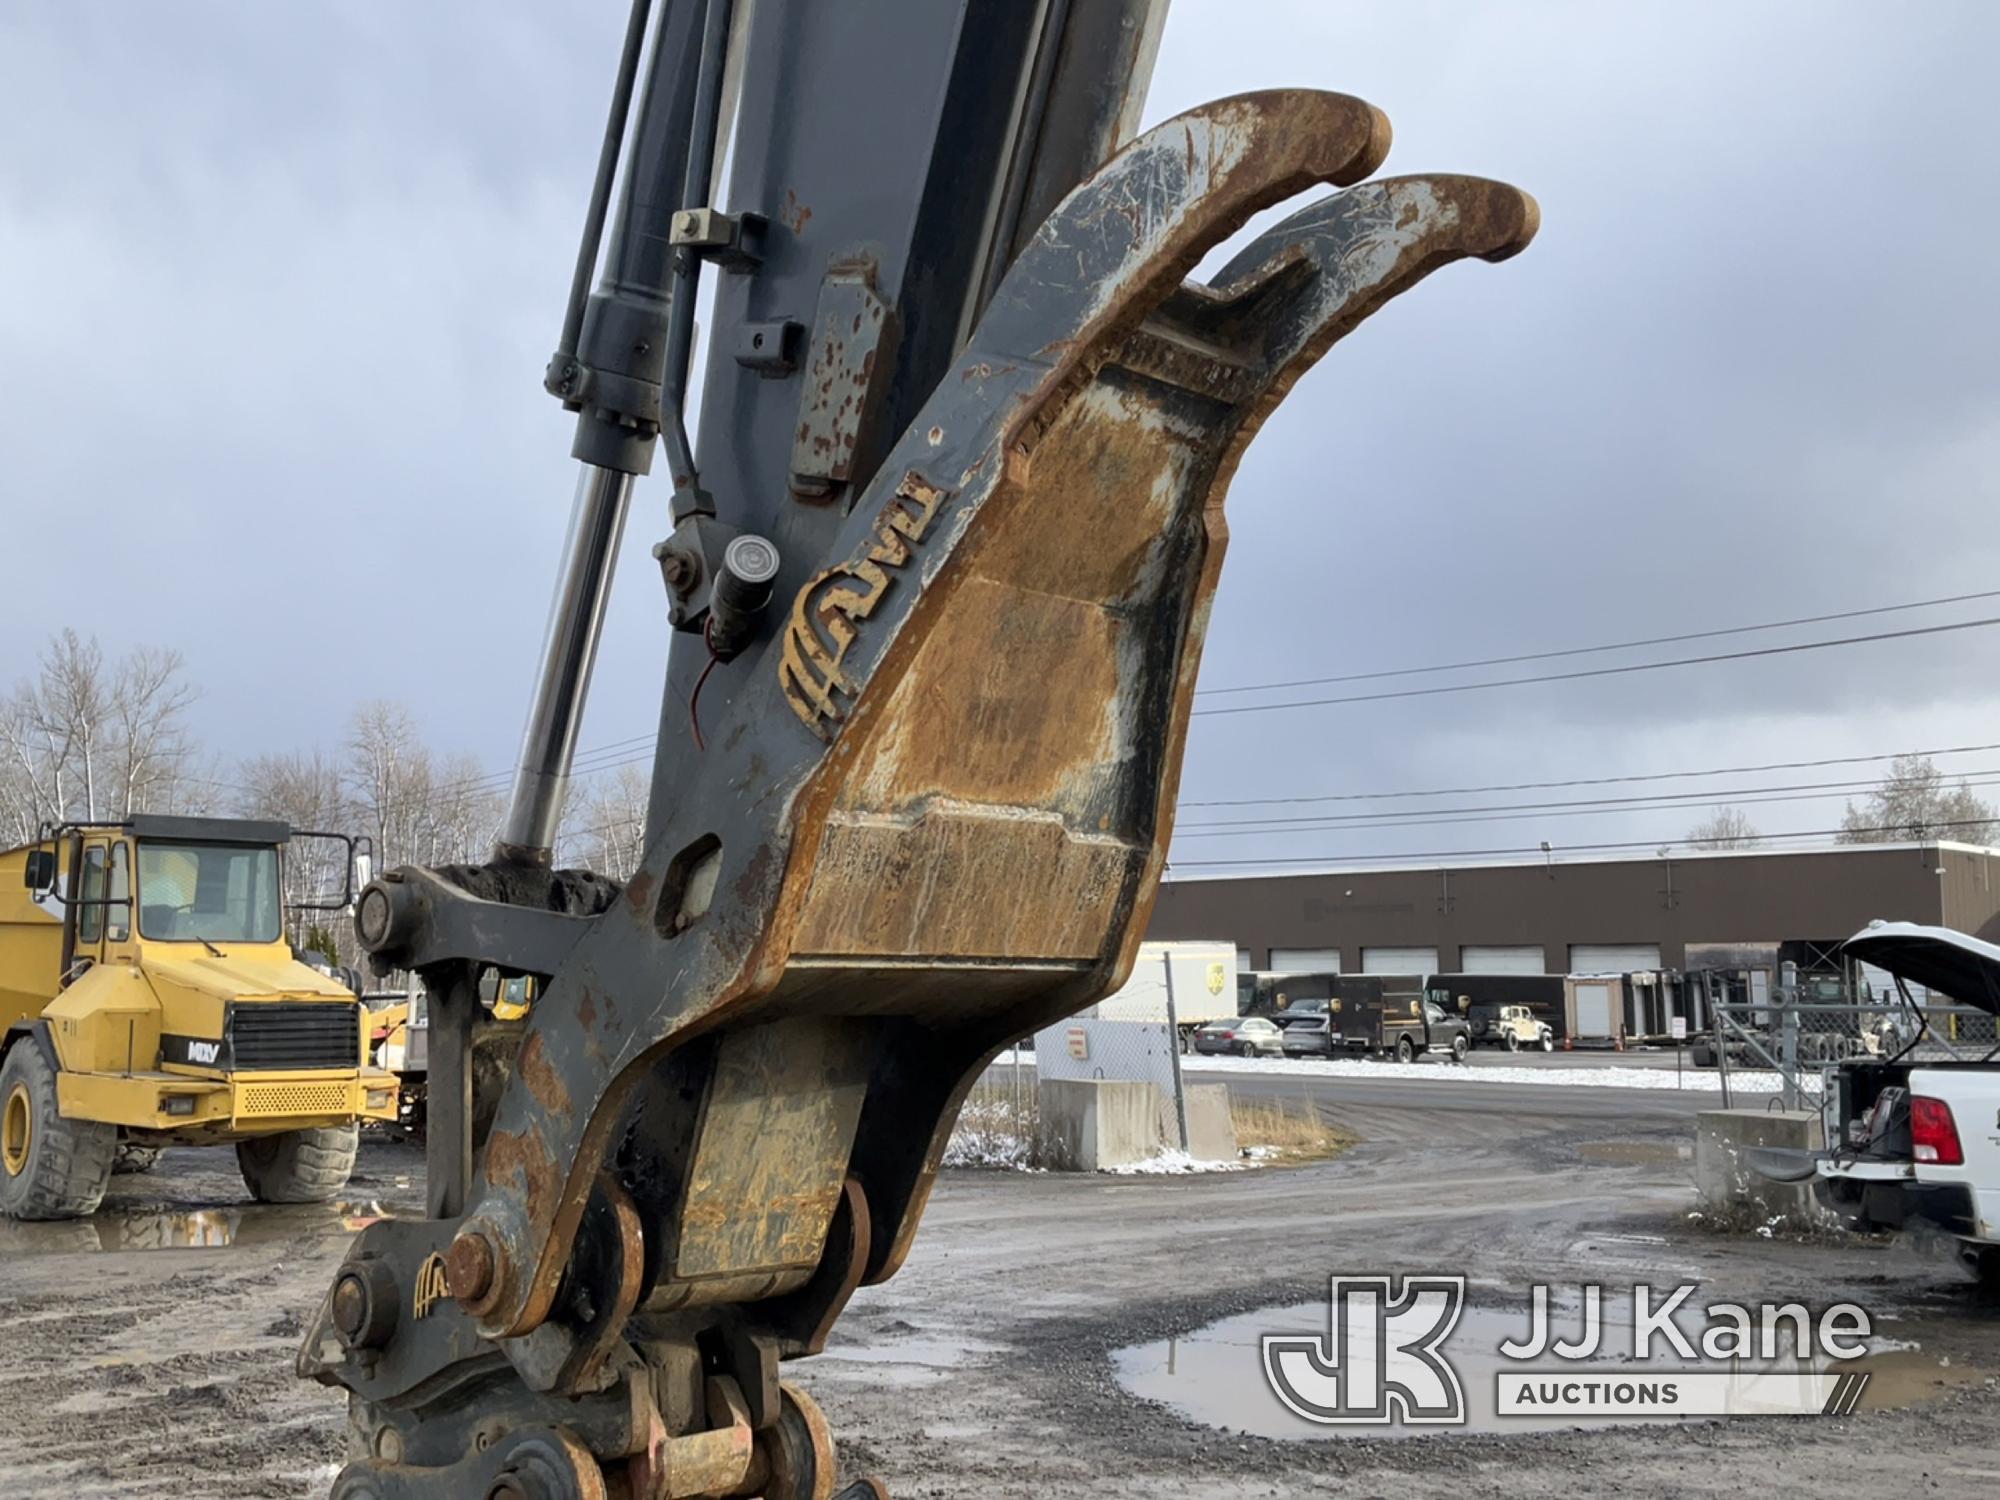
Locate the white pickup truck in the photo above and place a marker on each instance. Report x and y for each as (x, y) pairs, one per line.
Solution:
(1914, 1144)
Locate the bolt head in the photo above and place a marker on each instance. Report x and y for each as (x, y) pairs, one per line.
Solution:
(350, 1305)
(372, 916)
(468, 1266)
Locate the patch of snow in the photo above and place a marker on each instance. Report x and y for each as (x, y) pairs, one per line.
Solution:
(1173, 1162)
(1691, 1080)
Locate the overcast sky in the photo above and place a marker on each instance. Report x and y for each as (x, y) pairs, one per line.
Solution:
(1746, 373)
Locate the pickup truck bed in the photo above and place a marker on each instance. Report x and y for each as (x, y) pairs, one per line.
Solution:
(1914, 1144)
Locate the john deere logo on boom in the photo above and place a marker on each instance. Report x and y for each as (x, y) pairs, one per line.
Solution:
(431, 1288)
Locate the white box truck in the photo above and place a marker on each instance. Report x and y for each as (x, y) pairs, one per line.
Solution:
(1204, 986)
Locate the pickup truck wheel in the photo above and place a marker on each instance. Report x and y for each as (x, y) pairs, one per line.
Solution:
(1513, 1042)
(1459, 1047)
(1406, 1050)
(298, 1166)
(50, 1168)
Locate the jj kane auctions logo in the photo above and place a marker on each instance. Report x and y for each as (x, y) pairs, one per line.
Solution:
(1383, 1359)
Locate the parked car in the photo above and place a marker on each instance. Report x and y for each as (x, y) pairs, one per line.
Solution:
(1245, 1036)
(1479, 999)
(1516, 1027)
(1309, 1034)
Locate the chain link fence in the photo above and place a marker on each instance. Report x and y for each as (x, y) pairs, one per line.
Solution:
(1801, 1024)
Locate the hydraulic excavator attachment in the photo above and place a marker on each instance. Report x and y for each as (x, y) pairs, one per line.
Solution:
(915, 808)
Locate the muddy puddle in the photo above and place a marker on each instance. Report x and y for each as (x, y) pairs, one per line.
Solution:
(1216, 1376)
(133, 1227)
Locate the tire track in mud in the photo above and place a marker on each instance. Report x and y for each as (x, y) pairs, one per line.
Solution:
(138, 1372)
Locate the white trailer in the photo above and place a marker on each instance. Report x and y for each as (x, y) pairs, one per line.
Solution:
(1204, 985)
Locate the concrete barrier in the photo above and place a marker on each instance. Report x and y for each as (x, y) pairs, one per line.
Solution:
(1211, 1131)
(1089, 1124)
(1729, 1186)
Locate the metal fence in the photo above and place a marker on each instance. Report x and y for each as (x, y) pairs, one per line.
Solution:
(1801, 1026)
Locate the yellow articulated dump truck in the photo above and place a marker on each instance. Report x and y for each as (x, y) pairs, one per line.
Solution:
(148, 998)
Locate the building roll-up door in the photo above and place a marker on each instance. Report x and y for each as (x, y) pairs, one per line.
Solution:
(1243, 964)
(1305, 960)
(1505, 958)
(1594, 1012)
(1613, 958)
(1399, 960)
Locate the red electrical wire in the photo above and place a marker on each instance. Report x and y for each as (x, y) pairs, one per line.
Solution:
(694, 698)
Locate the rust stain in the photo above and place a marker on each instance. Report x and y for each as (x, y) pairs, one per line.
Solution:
(541, 1077)
(523, 1161)
(639, 893)
(586, 1010)
(794, 215)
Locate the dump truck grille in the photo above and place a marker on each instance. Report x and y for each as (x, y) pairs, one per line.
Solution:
(294, 1034)
(272, 1099)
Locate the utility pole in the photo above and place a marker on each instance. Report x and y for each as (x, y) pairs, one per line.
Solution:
(1174, 1048)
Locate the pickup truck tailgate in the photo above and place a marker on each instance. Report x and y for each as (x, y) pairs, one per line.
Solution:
(1973, 1093)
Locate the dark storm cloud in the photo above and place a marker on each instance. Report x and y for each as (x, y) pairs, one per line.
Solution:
(281, 280)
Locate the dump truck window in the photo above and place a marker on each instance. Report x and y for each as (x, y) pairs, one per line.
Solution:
(118, 918)
(218, 893)
(90, 918)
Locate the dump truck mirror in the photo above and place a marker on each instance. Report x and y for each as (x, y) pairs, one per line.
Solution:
(40, 874)
(364, 869)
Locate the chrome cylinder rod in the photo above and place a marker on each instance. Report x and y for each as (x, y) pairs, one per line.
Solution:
(576, 619)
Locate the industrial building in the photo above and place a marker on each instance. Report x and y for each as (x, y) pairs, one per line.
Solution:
(1562, 914)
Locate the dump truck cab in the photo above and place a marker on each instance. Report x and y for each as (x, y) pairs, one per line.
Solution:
(148, 997)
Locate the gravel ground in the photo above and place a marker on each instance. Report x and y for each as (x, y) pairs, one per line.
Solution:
(141, 1366)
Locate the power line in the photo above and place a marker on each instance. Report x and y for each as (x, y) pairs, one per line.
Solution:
(1644, 666)
(1430, 854)
(1656, 640)
(1649, 802)
(496, 780)
(1445, 817)
(1543, 786)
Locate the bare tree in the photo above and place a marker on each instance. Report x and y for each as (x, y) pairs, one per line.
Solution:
(388, 776)
(80, 740)
(1915, 802)
(462, 813)
(417, 809)
(611, 822)
(53, 727)
(148, 705)
(1724, 828)
(303, 788)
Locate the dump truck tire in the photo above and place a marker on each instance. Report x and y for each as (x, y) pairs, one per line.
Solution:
(50, 1168)
(132, 1158)
(299, 1166)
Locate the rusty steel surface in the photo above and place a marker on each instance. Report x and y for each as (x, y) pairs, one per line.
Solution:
(937, 792)
(847, 367)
